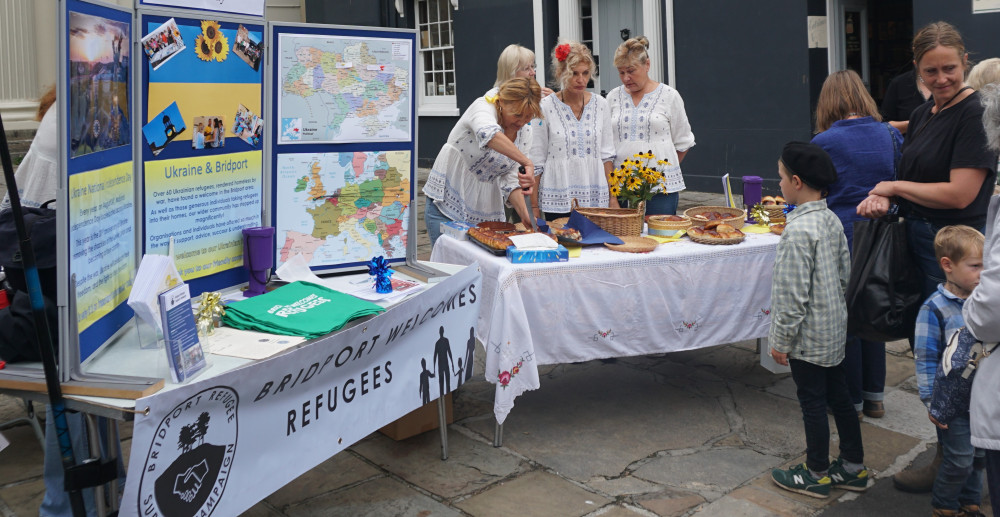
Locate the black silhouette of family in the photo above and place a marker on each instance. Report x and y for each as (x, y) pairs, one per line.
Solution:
(444, 366)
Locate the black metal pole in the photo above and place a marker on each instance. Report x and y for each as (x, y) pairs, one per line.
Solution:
(42, 336)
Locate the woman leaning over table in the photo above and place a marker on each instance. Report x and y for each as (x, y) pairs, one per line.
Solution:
(863, 149)
(573, 151)
(649, 116)
(981, 312)
(946, 172)
(476, 172)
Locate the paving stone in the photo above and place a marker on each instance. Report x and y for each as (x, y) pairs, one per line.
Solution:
(536, 493)
(376, 498)
(339, 471)
(898, 369)
(784, 388)
(617, 511)
(22, 458)
(778, 506)
(771, 424)
(900, 347)
(612, 415)
(698, 382)
(470, 466)
(713, 471)
(670, 503)
(626, 485)
(905, 414)
(882, 446)
(24, 499)
(766, 484)
(735, 365)
(733, 506)
(261, 510)
(732, 440)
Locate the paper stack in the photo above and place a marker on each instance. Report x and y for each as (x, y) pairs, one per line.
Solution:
(157, 273)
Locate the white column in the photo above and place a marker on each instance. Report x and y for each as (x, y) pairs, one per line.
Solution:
(668, 15)
(569, 20)
(651, 28)
(541, 53)
(19, 88)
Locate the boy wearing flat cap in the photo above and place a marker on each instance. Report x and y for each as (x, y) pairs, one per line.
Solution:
(809, 324)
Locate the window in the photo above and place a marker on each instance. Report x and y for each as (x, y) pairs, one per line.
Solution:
(435, 59)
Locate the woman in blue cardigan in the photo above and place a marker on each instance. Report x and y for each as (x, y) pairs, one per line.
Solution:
(864, 151)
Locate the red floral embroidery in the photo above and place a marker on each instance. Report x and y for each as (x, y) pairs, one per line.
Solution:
(505, 377)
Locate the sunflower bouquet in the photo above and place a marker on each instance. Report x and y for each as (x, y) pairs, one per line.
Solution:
(637, 177)
(211, 44)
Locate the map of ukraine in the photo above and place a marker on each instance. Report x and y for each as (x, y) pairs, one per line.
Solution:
(374, 206)
(359, 85)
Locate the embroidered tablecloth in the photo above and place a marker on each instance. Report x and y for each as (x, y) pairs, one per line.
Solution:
(606, 303)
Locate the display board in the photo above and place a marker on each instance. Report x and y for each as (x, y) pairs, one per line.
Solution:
(202, 158)
(343, 144)
(98, 209)
(251, 7)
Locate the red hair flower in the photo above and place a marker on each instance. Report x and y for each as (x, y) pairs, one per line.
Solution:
(562, 52)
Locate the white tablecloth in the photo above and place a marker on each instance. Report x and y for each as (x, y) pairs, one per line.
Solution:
(606, 303)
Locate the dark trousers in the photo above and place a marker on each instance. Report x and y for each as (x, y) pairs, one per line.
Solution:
(864, 364)
(993, 479)
(817, 387)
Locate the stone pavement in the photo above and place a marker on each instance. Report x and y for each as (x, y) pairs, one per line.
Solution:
(679, 434)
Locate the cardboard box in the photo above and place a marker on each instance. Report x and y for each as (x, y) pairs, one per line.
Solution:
(455, 229)
(420, 420)
(516, 256)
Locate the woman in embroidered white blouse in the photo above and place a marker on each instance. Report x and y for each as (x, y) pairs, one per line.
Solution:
(573, 150)
(647, 115)
(476, 171)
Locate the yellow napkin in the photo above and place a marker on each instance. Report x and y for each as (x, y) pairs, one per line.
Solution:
(573, 249)
(755, 228)
(663, 240)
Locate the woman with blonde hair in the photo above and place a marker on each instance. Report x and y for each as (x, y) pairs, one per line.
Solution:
(476, 172)
(864, 151)
(647, 115)
(516, 61)
(985, 72)
(574, 151)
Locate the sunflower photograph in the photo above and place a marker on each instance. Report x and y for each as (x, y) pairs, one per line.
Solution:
(211, 44)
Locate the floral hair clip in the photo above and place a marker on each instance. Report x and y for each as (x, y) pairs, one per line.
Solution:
(562, 52)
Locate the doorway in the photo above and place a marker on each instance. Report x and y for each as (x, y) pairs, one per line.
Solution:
(611, 23)
(873, 38)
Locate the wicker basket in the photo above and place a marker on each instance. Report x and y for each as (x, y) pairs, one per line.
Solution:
(620, 222)
(709, 240)
(659, 226)
(775, 211)
(736, 217)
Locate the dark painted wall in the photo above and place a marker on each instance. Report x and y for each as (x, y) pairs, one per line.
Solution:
(981, 32)
(743, 71)
(374, 13)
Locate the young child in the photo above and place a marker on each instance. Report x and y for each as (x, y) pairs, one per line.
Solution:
(958, 486)
(809, 324)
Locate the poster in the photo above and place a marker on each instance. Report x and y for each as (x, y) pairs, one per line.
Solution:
(102, 239)
(337, 89)
(99, 75)
(337, 208)
(203, 203)
(201, 447)
(252, 7)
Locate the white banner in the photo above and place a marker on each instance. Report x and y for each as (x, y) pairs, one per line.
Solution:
(252, 7)
(220, 445)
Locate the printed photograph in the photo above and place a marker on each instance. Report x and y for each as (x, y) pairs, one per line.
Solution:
(248, 47)
(164, 127)
(98, 84)
(209, 132)
(163, 43)
(248, 126)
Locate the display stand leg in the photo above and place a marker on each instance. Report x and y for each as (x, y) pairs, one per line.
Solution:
(112, 444)
(94, 441)
(31, 420)
(758, 347)
(443, 426)
(498, 435)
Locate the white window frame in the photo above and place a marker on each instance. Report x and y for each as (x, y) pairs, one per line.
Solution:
(433, 105)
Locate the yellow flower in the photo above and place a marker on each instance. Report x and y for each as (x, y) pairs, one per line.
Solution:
(202, 49)
(615, 190)
(211, 29)
(220, 48)
(634, 183)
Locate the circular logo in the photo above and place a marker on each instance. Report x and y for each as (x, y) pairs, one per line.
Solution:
(191, 456)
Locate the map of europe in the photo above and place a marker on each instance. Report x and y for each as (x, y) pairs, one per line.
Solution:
(343, 89)
(342, 208)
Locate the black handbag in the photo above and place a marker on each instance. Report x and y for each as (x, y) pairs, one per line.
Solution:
(885, 289)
